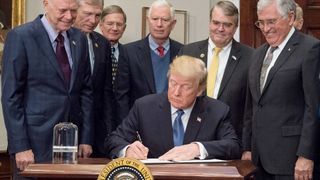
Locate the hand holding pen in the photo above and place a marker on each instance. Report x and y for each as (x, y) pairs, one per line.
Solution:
(137, 150)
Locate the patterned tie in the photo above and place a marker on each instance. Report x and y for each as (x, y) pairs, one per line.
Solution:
(161, 51)
(114, 64)
(213, 70)
(178, 131)
(265, 65)
(62, 59)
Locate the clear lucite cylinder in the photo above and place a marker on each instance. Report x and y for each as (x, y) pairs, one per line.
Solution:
(65, 143)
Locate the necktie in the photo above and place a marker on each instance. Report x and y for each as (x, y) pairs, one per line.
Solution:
(114, 64)
(265, 65)
(213, 70)
(161, 51)
(178, 131)
(62, 59)
(91, 53)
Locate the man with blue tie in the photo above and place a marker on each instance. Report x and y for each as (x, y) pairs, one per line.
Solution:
(88, 18)
(46, 80)
(178, 125)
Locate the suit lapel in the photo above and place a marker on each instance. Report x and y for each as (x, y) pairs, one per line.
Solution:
(46, 46)
(232, 63)
(74, 47)
(144, 59)
(97, 55)
(282, 58)
(194, 123)
(166, 123)
(203, 51)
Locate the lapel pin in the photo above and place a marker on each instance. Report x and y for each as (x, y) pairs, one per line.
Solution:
(96, 45)
(289, 49)
(201, 55)
(233, 57)
(73, 42)
(198, 119)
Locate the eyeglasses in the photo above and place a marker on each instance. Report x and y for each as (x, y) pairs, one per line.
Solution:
(269, 22)
(223, 24)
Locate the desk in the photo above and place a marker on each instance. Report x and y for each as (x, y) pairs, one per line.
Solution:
(90, 169)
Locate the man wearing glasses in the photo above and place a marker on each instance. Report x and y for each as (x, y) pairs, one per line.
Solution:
(230, 75)
(281, 125)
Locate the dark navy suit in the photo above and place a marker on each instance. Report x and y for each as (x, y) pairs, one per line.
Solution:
(234, 82)
(34, 96)
(135, 76)
(209, 124)
(102, 92)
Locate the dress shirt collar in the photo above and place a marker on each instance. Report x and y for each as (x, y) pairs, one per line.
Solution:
(51, 32)
(212, 46)
(186, 111)
(284, 42)
(153, 45)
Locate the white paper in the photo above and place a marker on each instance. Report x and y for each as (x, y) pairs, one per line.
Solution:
(157, 161)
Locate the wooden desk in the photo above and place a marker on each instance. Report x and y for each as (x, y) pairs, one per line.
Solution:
(90, 169)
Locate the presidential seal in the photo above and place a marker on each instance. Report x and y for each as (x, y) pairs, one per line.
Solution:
(125, 169)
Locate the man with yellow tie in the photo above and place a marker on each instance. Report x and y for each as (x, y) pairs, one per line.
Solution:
(227, 60)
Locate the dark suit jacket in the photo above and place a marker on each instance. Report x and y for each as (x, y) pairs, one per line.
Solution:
(151, 117)
(281, 122)
(34, 97)
(135, 74)
(102, 92)
(234, 82)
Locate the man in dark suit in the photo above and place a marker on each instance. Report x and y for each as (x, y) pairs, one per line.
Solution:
(234, 60)
(145, 64)
(88, 17)
(112, 25)
(178, 125)
(40, 90)
(281, 120)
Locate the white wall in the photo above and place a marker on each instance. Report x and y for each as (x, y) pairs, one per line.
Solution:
(198, 16)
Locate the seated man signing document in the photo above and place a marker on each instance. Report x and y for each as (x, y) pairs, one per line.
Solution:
(179, 125)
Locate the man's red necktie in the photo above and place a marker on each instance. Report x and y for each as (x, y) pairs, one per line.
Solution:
(62, 59)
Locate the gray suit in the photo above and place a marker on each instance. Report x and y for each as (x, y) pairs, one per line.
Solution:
(233, 86)
(34, 97)
(281, 122)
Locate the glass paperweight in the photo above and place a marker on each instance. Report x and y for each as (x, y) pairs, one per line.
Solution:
(65, 143)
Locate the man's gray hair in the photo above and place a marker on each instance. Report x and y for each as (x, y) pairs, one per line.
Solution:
(284, 6)
(159, 3)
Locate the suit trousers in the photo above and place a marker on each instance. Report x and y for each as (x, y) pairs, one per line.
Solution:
(262, 174)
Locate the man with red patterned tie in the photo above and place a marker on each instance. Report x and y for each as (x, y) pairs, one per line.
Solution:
(143, 70)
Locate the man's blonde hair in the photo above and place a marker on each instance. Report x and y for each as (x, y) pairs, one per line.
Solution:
(188, 66)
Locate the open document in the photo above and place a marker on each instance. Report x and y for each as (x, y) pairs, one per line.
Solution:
(157, 161)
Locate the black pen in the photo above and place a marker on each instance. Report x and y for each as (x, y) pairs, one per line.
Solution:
(139, 137)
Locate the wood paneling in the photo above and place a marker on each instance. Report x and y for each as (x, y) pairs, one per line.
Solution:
(252, 36)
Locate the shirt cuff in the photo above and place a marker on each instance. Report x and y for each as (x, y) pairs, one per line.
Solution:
(203, 151)
(122, 152)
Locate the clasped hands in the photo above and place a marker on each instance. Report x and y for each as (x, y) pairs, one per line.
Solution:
(190, 151)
